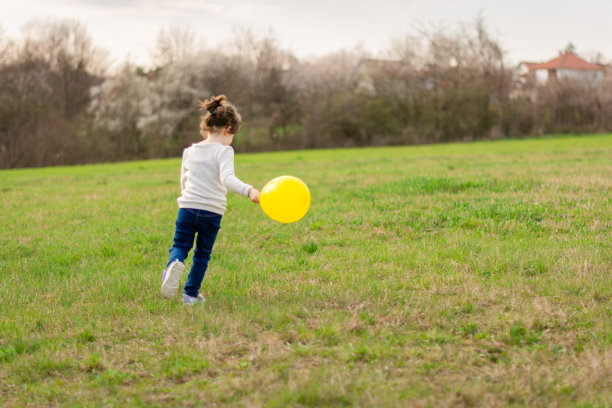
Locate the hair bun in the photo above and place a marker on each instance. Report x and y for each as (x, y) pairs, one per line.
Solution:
(213, 103)
(219, 113)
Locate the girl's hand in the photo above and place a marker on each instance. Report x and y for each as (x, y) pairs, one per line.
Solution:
(254, 195)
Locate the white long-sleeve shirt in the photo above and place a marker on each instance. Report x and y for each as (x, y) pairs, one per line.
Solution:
(207, 173)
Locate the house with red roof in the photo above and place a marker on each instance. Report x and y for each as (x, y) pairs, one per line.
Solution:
(567, 66)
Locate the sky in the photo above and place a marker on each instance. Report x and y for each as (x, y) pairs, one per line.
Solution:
(528, 30)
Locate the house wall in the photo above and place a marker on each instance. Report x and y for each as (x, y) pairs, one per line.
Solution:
(594, 77)
(541, 76)
(523, 69)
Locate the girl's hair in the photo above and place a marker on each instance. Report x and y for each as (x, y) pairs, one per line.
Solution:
(219, 113)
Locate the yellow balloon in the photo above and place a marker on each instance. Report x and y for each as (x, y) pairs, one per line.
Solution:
(285, 199)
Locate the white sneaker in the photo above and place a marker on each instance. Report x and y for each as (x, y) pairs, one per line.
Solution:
(171, 278)
(190, 300)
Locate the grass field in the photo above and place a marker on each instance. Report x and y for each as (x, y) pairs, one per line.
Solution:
(450, 275)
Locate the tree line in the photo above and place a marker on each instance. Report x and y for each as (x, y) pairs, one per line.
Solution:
(62, 103)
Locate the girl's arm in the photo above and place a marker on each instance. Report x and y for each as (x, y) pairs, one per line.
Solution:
(228, 177)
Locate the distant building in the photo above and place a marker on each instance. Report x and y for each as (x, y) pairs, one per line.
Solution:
(567, 66)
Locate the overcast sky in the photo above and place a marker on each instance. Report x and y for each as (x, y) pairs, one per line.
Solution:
(527, 29)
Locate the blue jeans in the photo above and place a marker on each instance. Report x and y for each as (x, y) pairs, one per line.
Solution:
(190, 222)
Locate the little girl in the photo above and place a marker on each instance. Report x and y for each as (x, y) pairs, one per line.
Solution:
(206, 174)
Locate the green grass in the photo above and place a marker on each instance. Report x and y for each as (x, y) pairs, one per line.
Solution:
(459, 274)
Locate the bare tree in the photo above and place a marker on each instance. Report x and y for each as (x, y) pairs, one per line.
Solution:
(174, 43)
(5, 46)
(118, 106)
(46, 78)
(66, 46)
(26, 102)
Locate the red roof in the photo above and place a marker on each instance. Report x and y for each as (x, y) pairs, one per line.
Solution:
(566, 61)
